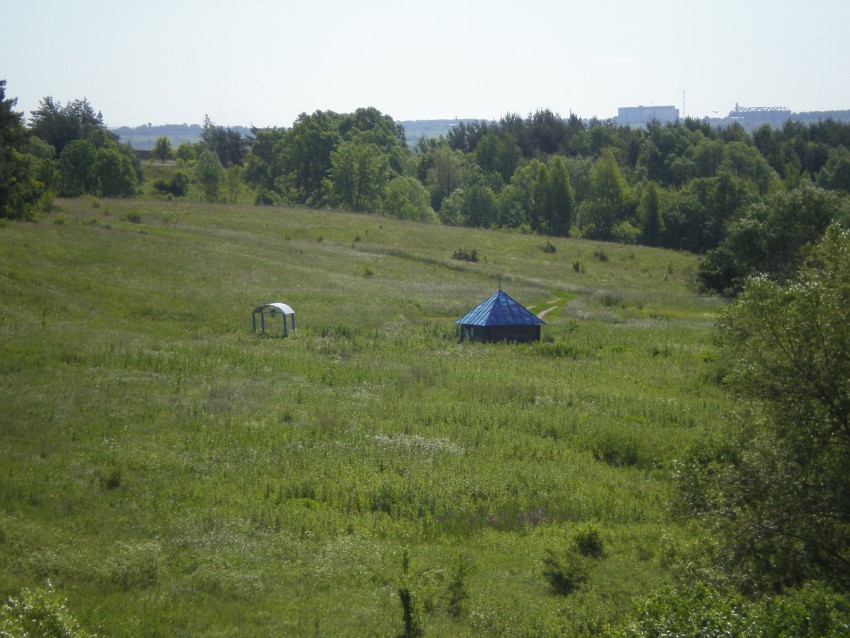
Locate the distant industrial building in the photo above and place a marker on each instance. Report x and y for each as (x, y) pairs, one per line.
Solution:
(759, 114)
(643, 115)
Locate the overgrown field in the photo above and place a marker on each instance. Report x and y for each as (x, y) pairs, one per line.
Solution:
(172, 473)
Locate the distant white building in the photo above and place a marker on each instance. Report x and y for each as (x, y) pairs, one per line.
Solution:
(643, 115)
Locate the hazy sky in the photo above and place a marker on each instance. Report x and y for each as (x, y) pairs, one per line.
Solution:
(263, 62)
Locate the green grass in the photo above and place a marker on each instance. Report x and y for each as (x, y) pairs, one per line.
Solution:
(173, 474)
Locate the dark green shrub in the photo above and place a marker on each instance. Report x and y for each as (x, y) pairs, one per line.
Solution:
(458, 589)
(178, 186)
(410, 612)
(619, 446)
(465, 254)
(110, 479)
(588, 541)
(565, 572)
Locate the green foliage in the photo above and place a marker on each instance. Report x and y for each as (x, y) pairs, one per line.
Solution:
(359, 173)
(60, 125)
(406, 198)
(701, 610)
(458, 589)
(411, 613)
(77, 168)
(162, 148)
(772, 237)
(233, 183)
(466, 254)
(297, 164)
(185, 153)
(561, 199)
(91, 162)
(565, 571)
(177, 186)
(23, 190)
(39, 613)
(649, 212)
(114, 173)
(608, 200)
(789, 484)
(477, 206)
(588, 542)
(445, 173)
(625, 233)
(228, 145)
(498, 153)
(210, 175)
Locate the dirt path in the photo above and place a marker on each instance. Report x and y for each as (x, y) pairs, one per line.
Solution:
(543, 313)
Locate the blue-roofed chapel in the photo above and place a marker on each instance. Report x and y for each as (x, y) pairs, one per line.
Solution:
(500, 318)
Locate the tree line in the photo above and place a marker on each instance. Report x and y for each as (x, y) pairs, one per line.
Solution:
(749, 203)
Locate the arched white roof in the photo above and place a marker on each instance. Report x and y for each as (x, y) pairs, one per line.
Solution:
(276, 307)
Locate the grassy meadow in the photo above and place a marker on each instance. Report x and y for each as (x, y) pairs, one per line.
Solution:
(173, 474)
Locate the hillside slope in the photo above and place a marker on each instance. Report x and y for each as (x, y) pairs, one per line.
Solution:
(172, 473)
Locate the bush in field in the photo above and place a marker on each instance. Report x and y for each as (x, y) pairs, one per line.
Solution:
(701, 610)
(40, 613)
(210, 175)
(620, 445)
(410, 609)
(588, 541)
(178, 186)
(565, 572)
(465, 254)
(458, 589)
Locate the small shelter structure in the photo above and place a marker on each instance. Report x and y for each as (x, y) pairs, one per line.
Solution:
(500, 318)
(272, 310)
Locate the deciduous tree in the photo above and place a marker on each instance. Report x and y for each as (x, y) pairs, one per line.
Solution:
(649, 211)
(210, 175)
(59, 125)
(607, 200)
(162, 148)
(114, 173)
(359, 172)
(777, 489)
(771, 236)
(77, 168)
(406, 198)
(21, 192)
(561, 198)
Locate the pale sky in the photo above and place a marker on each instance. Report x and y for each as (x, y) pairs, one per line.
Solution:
(263, 62)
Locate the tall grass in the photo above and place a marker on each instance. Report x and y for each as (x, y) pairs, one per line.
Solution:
(172, 473)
